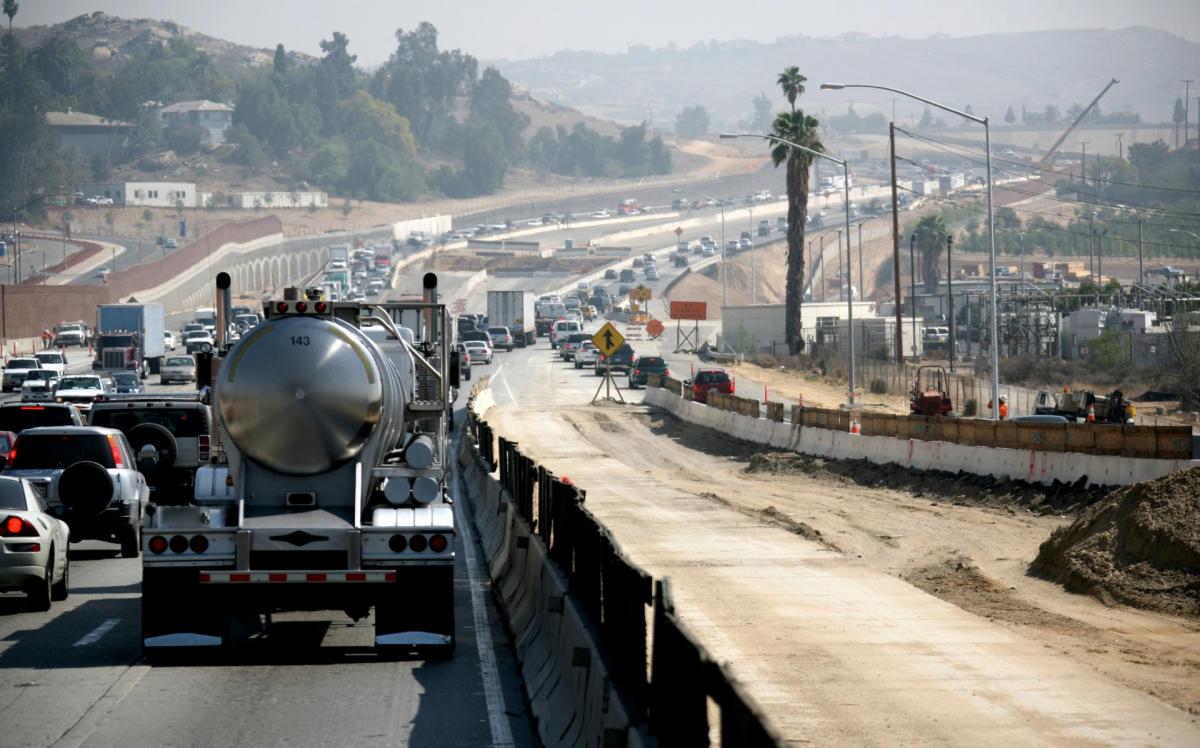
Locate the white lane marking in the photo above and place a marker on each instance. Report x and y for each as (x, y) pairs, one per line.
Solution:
(488, 671)
(496, 376)
(98, 633)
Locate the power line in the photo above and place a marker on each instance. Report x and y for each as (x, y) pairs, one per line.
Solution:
(1102, 199)
(1051, 227)
(1032, 167)
(1053, 197)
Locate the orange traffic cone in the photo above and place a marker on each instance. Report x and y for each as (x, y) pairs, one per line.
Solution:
(855, 428)
(1091, 417)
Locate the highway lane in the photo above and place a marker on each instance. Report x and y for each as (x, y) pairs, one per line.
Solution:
(75, 675)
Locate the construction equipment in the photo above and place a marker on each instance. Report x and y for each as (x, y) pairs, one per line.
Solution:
(1048, 159)
(1076, 406)
(930, 394)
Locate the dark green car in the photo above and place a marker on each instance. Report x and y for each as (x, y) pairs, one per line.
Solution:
(644, 366)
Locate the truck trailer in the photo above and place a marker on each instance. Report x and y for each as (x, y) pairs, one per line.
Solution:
(129, 337)
(514, 310)
(330, 487)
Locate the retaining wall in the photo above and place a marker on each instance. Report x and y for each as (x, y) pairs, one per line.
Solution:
(1035, 466)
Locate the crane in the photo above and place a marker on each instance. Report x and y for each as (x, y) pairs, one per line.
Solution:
(1054, 148)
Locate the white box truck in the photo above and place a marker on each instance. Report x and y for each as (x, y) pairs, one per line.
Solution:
(514, 310)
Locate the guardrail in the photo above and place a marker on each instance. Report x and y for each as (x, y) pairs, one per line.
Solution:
(1157, 442)
(667, 707)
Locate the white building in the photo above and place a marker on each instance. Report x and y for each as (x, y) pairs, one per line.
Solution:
(145, 194)
(214, 117)
(761, 327)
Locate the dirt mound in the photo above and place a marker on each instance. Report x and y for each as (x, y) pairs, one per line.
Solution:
(957, 488)
(1139, 546)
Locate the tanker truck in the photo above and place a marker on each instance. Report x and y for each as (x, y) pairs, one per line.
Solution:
(328, 485)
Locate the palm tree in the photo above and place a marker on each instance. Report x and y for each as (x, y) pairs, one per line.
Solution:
(792, 84)
(10, 10)
(931, 238)
(799, 128)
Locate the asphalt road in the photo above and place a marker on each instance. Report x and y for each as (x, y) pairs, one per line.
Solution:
(75, 675)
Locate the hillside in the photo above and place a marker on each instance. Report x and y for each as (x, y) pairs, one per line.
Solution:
(112, 41)
(990, 72)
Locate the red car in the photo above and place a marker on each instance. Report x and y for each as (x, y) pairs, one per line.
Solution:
(711, 380)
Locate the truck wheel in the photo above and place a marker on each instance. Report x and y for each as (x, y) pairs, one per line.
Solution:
(131, 543)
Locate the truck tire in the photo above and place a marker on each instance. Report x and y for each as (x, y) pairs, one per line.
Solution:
(131, 542)
(85, 488)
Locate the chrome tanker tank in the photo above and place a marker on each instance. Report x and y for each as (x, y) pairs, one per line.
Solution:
(303, 394)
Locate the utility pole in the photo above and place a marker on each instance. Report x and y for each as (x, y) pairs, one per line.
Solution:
(1083, 162)
(896, 237)
(950, 296)
(821, 261)
(1197, 124)
(1141, 246)
(1091, 242)
(841, 295)
(1120, 146)
(862, 279)
(1187, 90)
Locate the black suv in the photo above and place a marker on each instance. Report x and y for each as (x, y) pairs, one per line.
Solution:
(170, 437)
(17, 417)
(622, 360)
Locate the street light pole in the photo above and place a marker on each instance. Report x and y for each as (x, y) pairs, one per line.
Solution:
(821, 259)
(846, 205)
(862, 279)
(841, 283)
(987, 139)
(950, 296)
(753, 279)
(912, 273)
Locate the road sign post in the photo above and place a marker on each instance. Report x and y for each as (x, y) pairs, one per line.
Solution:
(688, 310)
(608, 340)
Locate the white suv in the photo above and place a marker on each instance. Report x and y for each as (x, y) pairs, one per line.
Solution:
(562, 329)
(88, 478)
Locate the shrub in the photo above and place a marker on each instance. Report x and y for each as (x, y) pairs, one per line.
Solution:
(878, 386)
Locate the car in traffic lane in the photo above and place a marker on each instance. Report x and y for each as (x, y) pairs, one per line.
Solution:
(481, 352)
(587, 354)
(644, 367)
(88, 477)
(620, 361)
(706, 381)
(177, 369)
(34, 546)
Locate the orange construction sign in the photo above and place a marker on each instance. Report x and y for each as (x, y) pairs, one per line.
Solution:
(695, 310)
(654, 328)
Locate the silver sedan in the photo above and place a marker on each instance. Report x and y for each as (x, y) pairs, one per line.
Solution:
(33, 545)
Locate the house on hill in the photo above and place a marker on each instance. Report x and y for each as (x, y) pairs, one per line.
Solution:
(90, 134)
(214, 117)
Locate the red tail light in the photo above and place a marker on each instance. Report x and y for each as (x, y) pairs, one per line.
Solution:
(281, 307)
(301, 306)
(666, 372)
(179, 544)
(157, 544)
(438, 543)
(18, 527)
(115, 447)
(418, 543)
(320, 307)
(203, 447)
(198, 544)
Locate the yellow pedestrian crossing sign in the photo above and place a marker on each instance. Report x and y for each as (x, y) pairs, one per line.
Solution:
(608, 339)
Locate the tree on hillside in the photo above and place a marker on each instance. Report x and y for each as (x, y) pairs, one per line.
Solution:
(334, 79)
(931, 238)
(762, 114)
(692, 122)
(491, 102)
(423, 82)
(1010, 116)
(10, 9)
(926, 119)
(797, 127)
(280, 64)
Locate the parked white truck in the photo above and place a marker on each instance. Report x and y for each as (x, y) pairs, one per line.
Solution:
(331, 490)
(514, 310)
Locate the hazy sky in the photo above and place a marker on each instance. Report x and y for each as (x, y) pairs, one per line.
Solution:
(517, 29)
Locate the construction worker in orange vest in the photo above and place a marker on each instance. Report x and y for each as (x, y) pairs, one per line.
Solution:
(1003, 407)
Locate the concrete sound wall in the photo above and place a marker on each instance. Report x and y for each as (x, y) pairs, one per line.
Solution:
(26, 310)
(433, 226)
(1014, 464)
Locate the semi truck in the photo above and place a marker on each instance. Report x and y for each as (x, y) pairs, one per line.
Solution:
(129, 337)
(328, 485)
(514, 310)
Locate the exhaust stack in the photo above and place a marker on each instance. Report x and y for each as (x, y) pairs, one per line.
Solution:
(224, 308)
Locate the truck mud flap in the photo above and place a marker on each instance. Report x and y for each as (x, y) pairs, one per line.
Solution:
(419, 614)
